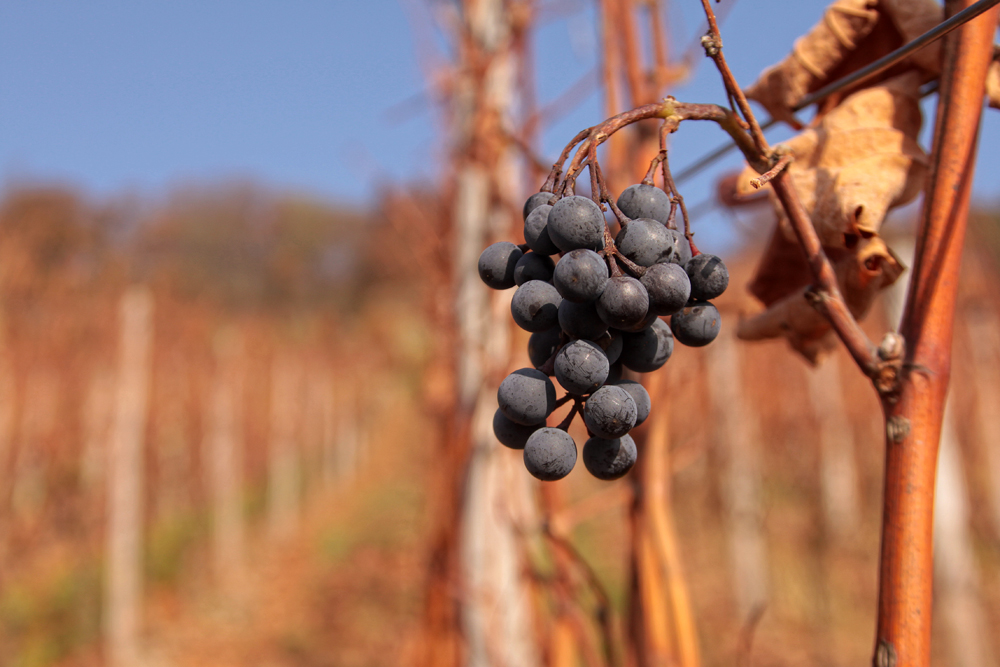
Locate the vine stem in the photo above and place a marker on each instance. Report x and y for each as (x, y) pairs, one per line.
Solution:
(713, 48)
(915, 414)
(825, 295)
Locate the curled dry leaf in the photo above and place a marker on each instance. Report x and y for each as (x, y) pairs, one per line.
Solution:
(859, 160)
(852, 34)
(814, 56)
(862, 273)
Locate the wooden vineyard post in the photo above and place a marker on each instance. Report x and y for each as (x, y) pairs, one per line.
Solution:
(123, 558)
(737, 435)
(283, 470)
(914, 414)
(957, 606)
(661, 623)
(328, 429)
(838, 471)
(491, 587)
(224, 450)
(984, 341)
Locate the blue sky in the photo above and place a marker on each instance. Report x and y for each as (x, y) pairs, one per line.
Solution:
(321, 97)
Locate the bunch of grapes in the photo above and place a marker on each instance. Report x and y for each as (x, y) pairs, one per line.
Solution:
(593, 312)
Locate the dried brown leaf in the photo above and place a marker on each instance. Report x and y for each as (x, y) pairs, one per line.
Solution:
(852, 34)
(814, 56)
(860, 161)
(861, 274)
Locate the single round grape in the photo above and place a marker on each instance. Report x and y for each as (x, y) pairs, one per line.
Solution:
(709, 277)
(549, 454)
(668, 287)
(641, 397)
(542, 345)
(581, 367)
(610, 412)
(576, 222)
(682, 249)
(611, 343)
(646, 351)
(533, 266)
(580, 275)
(497, 263)
(536, 231)
(645, 242)
(510, 433)
(697, 325)
(644, 201)
(623, 303)
(535, 306)
(534, 201)
(580, 320)
(609, 459)
(527, 396)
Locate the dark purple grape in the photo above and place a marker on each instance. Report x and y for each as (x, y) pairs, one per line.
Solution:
(580, 320)
(611, 343)
(534, 201)
(697, 325)
(580, 275)
(641, 397)
(576, 222)
(624, 302)
(646, 351)
(609, 459)
(527, 396)
(535, 306)
(645, 242)
(645, 201)
(581, 367)
(533, 266)
(668, 287)
(610, 412)
(542, 345)
(709, 277)
(682, 249)
(549, 454)
(510, 433)
(496, 264)
(536, 231)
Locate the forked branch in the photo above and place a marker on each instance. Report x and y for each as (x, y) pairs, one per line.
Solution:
(825, 295)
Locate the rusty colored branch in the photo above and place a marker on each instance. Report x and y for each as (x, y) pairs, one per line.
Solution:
(914, 417)
(556, 171)
(629, 41)
(672, 113)
(661, 71)
(656, 484)
(826, 296)
(712, 42)
(769, 175)
(604, 612)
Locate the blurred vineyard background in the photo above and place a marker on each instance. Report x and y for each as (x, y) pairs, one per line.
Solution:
(245, 426)
(287, 440)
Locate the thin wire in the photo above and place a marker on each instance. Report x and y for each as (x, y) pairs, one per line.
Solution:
(710, 204)
(880, 65)
(887, 61)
